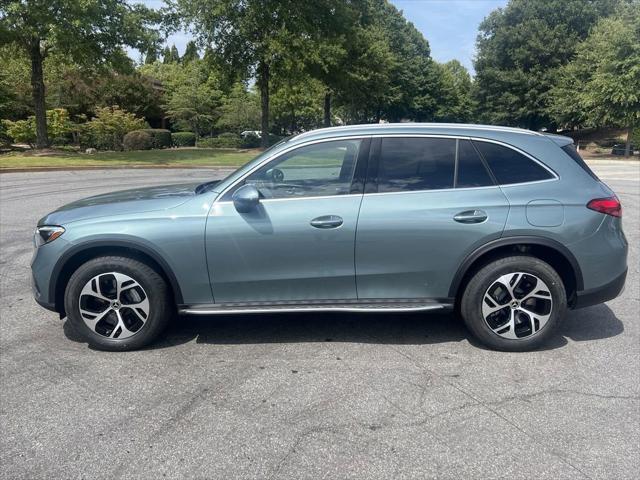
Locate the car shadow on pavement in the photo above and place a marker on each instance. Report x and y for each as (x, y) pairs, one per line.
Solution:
(594, 323)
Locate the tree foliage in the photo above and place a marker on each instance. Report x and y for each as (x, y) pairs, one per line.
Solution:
(89, 31)
(519, 51)
(601, 85)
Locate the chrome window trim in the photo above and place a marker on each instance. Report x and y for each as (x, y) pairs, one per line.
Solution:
(390, 135)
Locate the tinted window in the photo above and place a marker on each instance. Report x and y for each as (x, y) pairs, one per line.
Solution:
(471, 170)
(416, 164)
(573, 153)
(316, 170)
(509, 166)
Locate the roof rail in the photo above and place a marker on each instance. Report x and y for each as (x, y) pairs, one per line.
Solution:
(494, 128)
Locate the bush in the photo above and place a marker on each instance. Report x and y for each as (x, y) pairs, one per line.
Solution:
(138, 140)
(160, 138)
(273, 139)
(183, 139)
(250, 141)
(107, 129)
(21, 131)
(224, 140)
(24, 131)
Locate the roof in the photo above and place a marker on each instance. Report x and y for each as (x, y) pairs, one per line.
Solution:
(459, 129)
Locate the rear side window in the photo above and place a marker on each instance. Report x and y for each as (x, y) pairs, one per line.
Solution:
(471, 169)
(573, 153)
(509, 166)
(408, 164)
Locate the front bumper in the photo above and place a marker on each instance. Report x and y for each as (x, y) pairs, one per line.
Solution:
(601, 294)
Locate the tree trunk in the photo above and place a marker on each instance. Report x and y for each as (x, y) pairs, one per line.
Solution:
(37, 89)
(263, 84)
(627, 147)
(327, 109)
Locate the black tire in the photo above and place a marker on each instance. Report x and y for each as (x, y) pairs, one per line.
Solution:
(474, 293)
(161, 308)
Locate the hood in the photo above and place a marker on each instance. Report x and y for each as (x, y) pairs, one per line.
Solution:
(122, 202)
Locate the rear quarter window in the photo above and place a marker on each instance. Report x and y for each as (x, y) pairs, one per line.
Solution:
(509, 166)
(570, 150)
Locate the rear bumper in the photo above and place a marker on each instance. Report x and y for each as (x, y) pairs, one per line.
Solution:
(601, 294)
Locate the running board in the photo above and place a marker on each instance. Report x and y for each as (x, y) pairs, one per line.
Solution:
(370, 306)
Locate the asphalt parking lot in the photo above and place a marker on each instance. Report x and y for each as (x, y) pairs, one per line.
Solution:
(308, 396)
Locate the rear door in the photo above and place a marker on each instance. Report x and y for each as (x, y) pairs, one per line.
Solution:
(428, 203)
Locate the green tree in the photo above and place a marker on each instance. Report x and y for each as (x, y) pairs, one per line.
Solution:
(166, 55)
(297, 103)
(255, 37)
(192, 99)
(151, 56)
(134, 93)
(87, 31)
(519, 51)
(240, 110)
(175, 55)
(190, 52)
(601, 86)
(454, 103)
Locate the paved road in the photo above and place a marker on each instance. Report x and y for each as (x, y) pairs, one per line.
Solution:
(308, 396)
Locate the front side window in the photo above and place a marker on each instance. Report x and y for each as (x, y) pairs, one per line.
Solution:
(408, 164)
(322, 169)
(509, 166)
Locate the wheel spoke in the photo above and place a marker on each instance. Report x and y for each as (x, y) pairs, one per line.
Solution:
(92, 288)
(510, 333)
(86, 315)
(542, 319)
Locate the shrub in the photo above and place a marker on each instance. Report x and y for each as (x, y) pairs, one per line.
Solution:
(224, 140)
(160, 138)
(183, 139)
(24, 131)
(138, 140)
(273, 139)
(250, 141)
(21, 131)
(107, 129)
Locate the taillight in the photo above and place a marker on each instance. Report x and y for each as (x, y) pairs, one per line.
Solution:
(608, 206)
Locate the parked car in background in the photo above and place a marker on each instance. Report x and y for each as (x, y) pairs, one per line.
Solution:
(621, 148)
(508, 227)
(255, 133)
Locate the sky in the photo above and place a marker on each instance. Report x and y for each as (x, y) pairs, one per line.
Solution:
(450, 26)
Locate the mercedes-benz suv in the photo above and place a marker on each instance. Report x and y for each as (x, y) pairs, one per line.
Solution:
(507, 227)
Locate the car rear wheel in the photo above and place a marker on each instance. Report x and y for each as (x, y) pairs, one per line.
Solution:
(514, 304)
(117, 303)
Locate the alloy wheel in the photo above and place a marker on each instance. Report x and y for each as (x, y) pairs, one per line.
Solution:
(517, 305)
(114, 305)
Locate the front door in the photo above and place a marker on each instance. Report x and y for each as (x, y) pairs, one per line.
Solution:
(428, 203)
(298, 243)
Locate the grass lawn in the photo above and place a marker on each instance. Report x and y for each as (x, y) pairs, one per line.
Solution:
(183, 157)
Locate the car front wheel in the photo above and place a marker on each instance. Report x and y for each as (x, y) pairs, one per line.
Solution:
(514, 303)
(117, 303)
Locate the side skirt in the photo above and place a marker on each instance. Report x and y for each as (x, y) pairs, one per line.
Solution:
(365, 306)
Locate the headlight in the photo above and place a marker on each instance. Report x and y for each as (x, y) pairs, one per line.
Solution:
(46, 234)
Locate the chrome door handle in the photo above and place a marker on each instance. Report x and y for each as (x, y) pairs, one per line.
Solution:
(471, 216)
(327, 221)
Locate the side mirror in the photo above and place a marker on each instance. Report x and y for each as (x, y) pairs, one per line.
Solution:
(246, 198)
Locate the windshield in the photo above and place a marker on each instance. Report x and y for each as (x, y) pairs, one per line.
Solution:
(208, 186)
